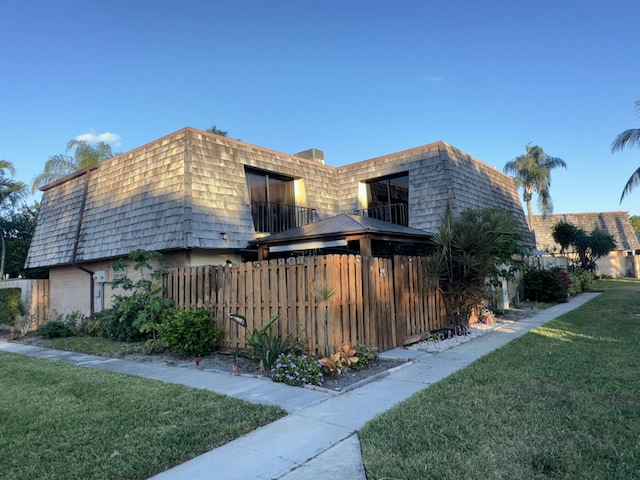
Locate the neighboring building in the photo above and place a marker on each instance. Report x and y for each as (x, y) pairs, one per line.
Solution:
(203, 199)
(623, 261)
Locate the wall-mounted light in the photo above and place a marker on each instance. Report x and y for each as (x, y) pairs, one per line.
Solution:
(229, 263)
(224, 236)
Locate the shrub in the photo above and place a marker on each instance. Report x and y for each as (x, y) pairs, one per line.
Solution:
(122, 320)
(94, 326)
(190, 332)
(546, 285)
(586, 278)
(153, 346)
(576, 284)
(54, 329)
(296, 370)
(136, 316)
(339, 362)
(366, 356)
(10, 305)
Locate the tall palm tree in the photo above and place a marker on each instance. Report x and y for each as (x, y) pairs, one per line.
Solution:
(85, 154)
(628, 138)
(532, 172)
(11, 192)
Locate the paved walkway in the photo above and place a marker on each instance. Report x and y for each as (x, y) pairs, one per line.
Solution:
(318, 439)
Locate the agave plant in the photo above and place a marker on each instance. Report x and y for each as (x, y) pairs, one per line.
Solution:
(265, 348)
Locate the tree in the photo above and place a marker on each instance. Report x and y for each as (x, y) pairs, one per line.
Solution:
(471, 253)
(635, 223)
(532, 172)
(215, 130)
(85, 154)
(19, 225)
(11, 193)
(589, 246)
(629, 138)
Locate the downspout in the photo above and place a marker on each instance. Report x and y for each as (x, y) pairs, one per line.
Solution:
(77, 241)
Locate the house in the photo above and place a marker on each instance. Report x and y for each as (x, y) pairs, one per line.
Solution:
(623, 261)
(203, 199)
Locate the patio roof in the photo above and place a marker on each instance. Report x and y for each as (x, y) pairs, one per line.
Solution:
(337, 231)
(343, 225)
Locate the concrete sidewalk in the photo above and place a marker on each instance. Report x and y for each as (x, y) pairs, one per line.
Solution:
(318, 439)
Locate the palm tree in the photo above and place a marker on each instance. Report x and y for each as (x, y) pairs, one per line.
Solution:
(468, 249)
(11, 192)
(217, 131)
(532, 172)
(628, 138)
(85, 154)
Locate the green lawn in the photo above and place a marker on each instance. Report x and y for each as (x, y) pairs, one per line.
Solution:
(69, 422)
(104, 347)
(560, 402)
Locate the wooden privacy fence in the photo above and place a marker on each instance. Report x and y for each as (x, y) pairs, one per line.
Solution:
(35, 297)
(377, 301)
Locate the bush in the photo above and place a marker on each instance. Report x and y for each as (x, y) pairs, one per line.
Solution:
(95, 325)
(546, 285)
(122, 320)
(296, 370)
(190, 332)
(54, 329)
(10, 305)
(366, 356)
(135, 316)
(153, 346)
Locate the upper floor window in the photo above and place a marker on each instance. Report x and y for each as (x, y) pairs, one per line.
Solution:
(272, 198)
(270, 187)
(388, 198)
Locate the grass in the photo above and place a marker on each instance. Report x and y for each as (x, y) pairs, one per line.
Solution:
(94, 345)
(65, 421)
(560, 402)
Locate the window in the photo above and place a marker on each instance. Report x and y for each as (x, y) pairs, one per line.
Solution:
(270, 187)
(272, 199)
(388, 199)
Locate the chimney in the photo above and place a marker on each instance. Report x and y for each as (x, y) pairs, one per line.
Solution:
(312, 154)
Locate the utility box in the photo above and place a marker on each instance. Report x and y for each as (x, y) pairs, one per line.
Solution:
(100, 276)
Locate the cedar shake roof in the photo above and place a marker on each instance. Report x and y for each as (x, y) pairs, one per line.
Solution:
(439, 173)
(616, 224)
(183, 190)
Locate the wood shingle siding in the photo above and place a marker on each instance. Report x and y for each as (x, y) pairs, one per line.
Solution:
(616, 224)
(182, 191)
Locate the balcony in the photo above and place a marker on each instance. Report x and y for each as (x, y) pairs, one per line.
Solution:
(278, 217)
(395, 213)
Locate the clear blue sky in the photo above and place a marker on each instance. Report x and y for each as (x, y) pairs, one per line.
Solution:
(357, 79)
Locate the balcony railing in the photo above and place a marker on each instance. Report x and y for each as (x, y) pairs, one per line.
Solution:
(278, 217)
(395, 213)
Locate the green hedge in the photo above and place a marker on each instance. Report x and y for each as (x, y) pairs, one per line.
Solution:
(10, 305)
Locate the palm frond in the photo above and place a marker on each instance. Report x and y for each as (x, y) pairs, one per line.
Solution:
(633, 182)
(628, 138)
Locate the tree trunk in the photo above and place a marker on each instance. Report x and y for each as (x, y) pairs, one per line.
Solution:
(530, 216)
(3, 254)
